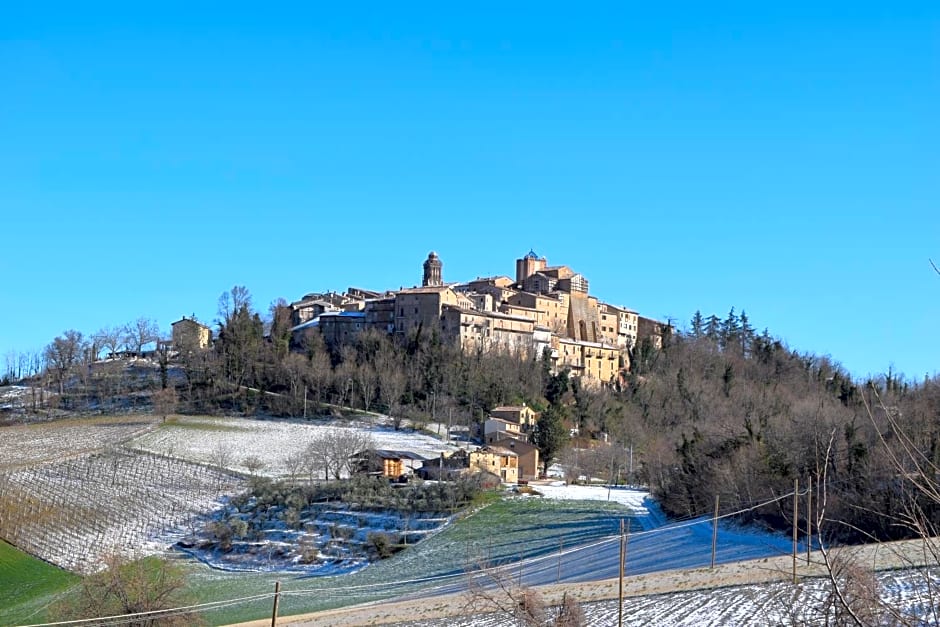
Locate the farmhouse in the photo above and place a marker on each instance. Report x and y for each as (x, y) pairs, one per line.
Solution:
(528, 456)
(498, 460)
(190, 334)
(387, 463)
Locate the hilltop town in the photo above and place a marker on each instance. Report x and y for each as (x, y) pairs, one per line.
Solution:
(545, 311)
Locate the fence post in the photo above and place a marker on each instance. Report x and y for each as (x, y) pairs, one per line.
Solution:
(277, 598)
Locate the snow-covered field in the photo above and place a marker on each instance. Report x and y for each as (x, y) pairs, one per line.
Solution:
(27, 445)
(807, 603)
(73, 512)
(12, 396)
(200, 439)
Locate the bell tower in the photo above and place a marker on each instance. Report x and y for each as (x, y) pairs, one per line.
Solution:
(432, 271)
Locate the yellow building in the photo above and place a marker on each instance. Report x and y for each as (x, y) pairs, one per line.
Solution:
(501, 461)
(552, 308)
(522, 415)
(591, 361)
(486, 330)
(190, 334)
(422, 307)
(618, 325)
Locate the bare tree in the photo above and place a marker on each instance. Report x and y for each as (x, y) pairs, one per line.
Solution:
(293, 462)
(254, 464)
(368, 383)
(165, 401)
(493, 590)
(222, 456)
(65, 353)
(139, 333)
(332, 451)
(109, 339)
(319, 374)
(143, 587)
(392, 384)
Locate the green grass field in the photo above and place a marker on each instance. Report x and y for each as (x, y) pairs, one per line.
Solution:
(527, 527)
(28, 585)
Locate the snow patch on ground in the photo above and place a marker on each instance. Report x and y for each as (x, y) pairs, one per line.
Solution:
(200, 439)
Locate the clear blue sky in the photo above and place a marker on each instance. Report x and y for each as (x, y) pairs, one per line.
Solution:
(783, 158)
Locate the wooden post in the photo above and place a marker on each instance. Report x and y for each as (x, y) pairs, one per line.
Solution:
(561, 547)
(626, 548)
(277, 599)
(715, 532)
(623, 556)
(796, 504)
(809, 520)
(520, 568)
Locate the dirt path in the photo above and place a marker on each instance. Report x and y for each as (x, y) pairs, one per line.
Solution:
(876, 556)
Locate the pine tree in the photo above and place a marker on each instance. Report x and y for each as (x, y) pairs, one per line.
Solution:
(550, 435)
(698, 324)
(713, 328)
(730, 331)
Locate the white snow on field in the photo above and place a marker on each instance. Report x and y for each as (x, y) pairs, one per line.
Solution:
(24, 445)
(13, 395)
(638, 501)
(908, 592)
(200, 439)
(73, 512)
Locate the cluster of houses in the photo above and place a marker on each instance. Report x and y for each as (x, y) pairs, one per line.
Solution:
(505, 457)
(545, 310)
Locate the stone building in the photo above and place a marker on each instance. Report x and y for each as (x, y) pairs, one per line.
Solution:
(423, 306)
(522, 415)
(619, 326)
(595, 361)
(190, 334)
(652, 329)
(341, 327)
(500, 461)
(486, 330)
(552, 308)
(527, 455)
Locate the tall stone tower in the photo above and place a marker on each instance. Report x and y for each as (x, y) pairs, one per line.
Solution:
(529, 265)
(432, 271)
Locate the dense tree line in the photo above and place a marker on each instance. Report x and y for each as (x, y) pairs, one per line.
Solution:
(722, 410)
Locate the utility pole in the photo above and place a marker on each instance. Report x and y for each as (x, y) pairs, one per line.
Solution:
(277, 599)
(715, 532)
(623, 558)
(631, 464)
(809, 520)
(796, 505)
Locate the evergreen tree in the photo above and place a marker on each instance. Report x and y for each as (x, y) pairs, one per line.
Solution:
(730, 330)
(550, 435)
(713, 328)
(746, 333)
(698, 325)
